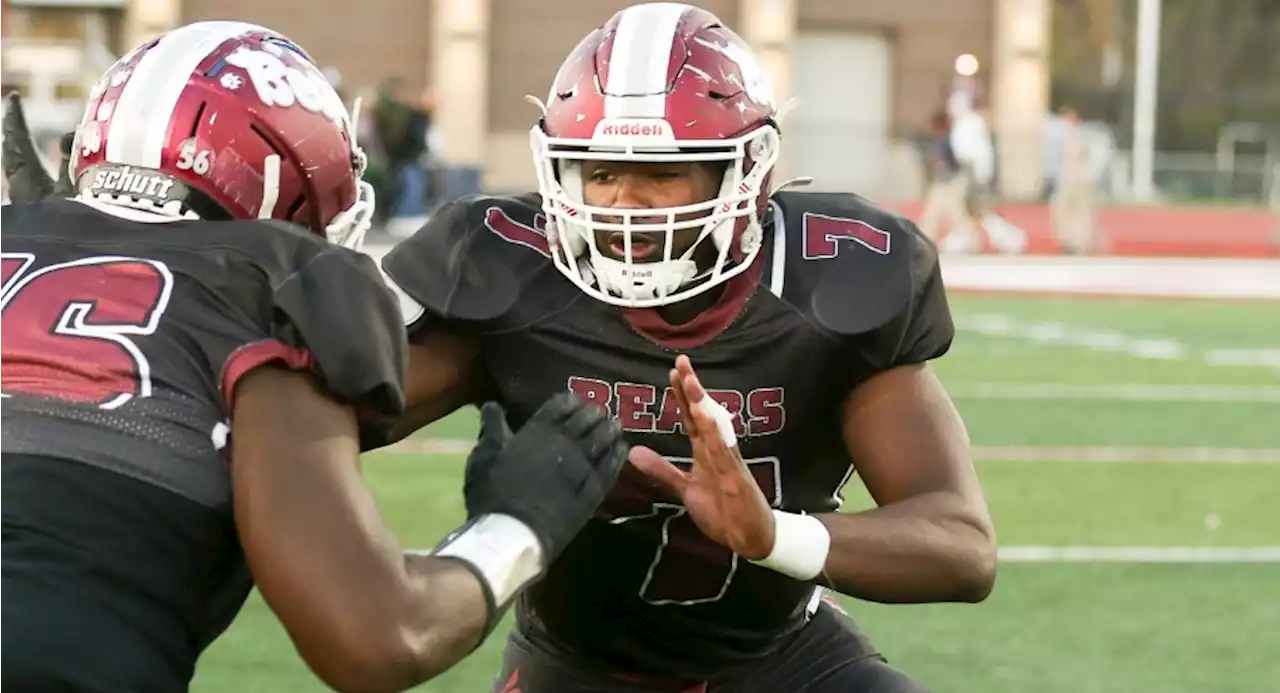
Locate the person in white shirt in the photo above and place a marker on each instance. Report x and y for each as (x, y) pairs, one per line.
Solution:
(975, 151)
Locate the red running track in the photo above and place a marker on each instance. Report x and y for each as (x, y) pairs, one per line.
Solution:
(1152, 231)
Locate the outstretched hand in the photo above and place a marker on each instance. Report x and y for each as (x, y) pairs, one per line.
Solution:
(719, 492)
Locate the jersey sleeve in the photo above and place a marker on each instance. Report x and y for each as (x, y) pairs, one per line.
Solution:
(927, 329)
(465, 268)
(869, 278)
(334, 317)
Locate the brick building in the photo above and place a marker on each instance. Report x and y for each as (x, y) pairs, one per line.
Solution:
(867, 73)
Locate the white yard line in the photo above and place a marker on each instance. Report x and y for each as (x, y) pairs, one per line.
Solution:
(1125, 392)
(1140, 554)
(1106, 340)
(1125, 455)
(1054, 333)
(1244, 357)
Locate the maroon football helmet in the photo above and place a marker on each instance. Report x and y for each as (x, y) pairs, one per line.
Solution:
(224, 120)
(658, 82)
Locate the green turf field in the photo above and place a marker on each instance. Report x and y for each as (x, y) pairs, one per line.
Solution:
(1043, 384)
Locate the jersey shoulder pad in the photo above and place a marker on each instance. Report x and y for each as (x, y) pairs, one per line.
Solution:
(862, 272)
(266, 246)
(337, 309)
(470, 263)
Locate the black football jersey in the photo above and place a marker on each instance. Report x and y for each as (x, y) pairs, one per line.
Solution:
(123, 337)
(840, 291)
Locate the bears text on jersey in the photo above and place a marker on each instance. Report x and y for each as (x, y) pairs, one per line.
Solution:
(639, 407)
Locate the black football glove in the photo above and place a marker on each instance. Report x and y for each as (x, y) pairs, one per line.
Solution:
(529, 493)
(552, 475)
(28, 181)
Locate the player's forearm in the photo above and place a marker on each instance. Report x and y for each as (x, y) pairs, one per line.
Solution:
(441, 607)
(391, 621)
(930, 548)
(440, 619)
(444, 619)
(461, 590)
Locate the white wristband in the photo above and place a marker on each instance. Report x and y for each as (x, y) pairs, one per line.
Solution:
(800, 546)
(503, 550)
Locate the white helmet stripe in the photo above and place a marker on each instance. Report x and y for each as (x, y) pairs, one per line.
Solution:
(140, 124)
(639, 60)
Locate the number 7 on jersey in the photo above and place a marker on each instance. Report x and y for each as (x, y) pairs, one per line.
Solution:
(822, 234)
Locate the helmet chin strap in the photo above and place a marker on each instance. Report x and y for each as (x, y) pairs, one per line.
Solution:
(642, 280)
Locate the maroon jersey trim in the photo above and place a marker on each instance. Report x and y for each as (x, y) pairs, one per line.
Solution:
(250, 356)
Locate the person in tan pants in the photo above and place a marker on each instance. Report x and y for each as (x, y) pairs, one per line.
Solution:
(944, 201)
(1072, 205)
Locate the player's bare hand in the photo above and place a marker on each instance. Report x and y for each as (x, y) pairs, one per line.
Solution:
(719, 492)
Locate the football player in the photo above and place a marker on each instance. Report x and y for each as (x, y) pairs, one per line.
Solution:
(811, 318)
(192, 365)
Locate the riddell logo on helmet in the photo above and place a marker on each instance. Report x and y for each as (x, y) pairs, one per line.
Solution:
(646, 128)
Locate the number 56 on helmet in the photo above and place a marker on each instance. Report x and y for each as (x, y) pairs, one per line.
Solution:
(224, 120)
